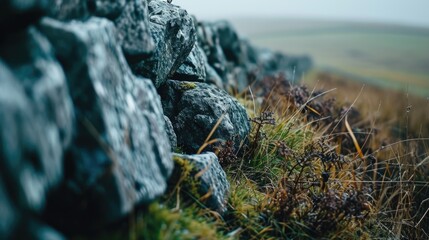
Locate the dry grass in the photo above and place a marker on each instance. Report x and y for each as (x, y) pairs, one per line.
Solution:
(398, 168)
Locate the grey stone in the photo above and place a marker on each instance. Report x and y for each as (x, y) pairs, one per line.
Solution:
(121, 156)
(107, 8)
(213, 78)
(170, 132)
(30, 150)
(213, 179)
(208, 39)
(194, 67)
(230, 42)
(37, 117)
(174, 34)
(69, 9)
(292, 67)
(133, 31)
(31, 58)
(194, 109)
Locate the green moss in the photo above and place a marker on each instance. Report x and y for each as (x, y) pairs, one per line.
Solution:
(185, 86)
(160, 222)
(183, 177)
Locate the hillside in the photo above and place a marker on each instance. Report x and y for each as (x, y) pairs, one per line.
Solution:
(135, 120)
(389, 56)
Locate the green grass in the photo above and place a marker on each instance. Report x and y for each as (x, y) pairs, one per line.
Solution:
(299, 178)
(388, 56)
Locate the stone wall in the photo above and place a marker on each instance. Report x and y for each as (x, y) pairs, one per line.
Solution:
(95, 95)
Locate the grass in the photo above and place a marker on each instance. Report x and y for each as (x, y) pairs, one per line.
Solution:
(314, 168)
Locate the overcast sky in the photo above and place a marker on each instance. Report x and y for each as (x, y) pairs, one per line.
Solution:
(409, 12)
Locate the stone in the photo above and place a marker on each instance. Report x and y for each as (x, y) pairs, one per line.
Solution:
(30, 150)
(133, 31)
(66, 10)
(194, 109)
(40, 123)
(209, 41)
(107, 8)
(121, 156)
(213, 78)
(194, 67)
(173, 31)
(212, 179)
(170, 132)
(230, 42)
(272, 63)
(31, 58)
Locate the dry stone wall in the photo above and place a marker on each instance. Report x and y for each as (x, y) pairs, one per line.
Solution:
(95, 96)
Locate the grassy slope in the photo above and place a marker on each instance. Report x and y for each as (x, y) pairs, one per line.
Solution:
(303, 177)
(384, 55)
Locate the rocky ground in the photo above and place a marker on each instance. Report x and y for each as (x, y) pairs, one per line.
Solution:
(97, 97)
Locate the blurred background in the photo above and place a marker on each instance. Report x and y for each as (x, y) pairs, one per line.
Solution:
(384, 42)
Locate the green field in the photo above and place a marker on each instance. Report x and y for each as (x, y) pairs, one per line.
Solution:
(384, 55)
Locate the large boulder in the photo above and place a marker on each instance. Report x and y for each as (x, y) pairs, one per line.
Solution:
(211, 178)
(121, 155)
(133, 31)
(195, 108)
(174, 34)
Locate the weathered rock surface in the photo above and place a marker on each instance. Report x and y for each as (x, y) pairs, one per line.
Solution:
(83, 141)
(212, 179)
(194, 109)
(121, 154)
(107, 8)
(213, 78)
(70, 9)
(170, 132)
(40, 123)
(208, 39)
(30, 153)
(133, 30)
(230, 42)
(194, 67)
(174, 34)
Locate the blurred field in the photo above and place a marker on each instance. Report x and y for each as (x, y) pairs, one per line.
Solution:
(387, 56)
